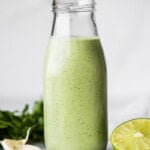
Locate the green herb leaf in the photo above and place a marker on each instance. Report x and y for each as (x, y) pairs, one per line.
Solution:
(13, 125)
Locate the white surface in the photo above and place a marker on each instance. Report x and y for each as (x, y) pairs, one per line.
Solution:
(124, 28)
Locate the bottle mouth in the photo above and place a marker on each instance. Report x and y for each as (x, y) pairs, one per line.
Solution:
(73, 6)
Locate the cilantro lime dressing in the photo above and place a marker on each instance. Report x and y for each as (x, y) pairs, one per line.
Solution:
(75, 95)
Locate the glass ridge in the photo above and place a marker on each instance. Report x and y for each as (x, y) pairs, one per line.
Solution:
(74, 6)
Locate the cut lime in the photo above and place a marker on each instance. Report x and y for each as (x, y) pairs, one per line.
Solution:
(132, 135)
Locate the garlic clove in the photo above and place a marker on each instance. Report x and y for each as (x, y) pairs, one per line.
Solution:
(9, 144)
(12, 144)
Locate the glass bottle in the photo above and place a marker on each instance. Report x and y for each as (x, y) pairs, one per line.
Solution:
(75, 86)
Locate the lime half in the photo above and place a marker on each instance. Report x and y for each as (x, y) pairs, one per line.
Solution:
(132, 135)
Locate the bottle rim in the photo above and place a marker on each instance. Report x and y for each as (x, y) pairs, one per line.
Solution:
(73, 7)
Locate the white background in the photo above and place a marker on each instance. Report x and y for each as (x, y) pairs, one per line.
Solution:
(124, 28)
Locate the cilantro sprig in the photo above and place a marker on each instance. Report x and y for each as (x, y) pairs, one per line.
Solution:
(14, 125)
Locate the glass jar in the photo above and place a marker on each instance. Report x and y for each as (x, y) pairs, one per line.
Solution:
(75, 82)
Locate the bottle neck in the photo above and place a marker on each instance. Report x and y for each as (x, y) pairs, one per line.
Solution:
(74, 20)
